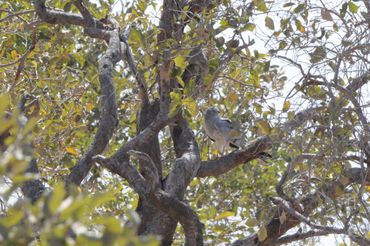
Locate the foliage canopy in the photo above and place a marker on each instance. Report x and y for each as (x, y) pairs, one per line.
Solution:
(101, 121)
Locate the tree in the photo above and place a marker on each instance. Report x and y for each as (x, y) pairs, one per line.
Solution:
(101, 116)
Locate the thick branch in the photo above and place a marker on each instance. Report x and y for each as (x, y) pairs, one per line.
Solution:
(188, 159)
(225, 163)
(108, 120)
(60, 17)
(162, 200)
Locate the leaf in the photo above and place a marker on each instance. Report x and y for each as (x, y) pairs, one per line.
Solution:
(286, 106)
(299, 8)
(261, 5)
(14, 54)
(282, 45)
(353, 7)
(269, 23)
(180, 81)
(282, 217)
(262, 234)
(180, 61)
(264, 127)
(288, 5)
(57, 197)
(89, 106)
(13, 217)
(233, 97)
(338, 190)
(299, 26)
(136, 37)
(175, 103)
(225, 215)
(190, 105)
(72, 150)
(251, 222)
(249, 26)
(318, 55)
(325, 14)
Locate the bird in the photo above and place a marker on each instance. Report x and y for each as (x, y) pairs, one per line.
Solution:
(221, 131)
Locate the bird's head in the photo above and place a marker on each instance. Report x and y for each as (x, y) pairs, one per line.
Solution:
(212, 111)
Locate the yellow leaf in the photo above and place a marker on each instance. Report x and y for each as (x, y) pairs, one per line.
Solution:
(233, 97)
(262, 234)
(286, 106)
(14, 54)
(224, 215)
(72, 150)
(190, 104)
(89, 106)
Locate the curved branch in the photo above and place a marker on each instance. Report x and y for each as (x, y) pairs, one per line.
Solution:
(225, 163)
(148, 168)
(167, 203)
(188, 158)
(52, 16)
(108, 120)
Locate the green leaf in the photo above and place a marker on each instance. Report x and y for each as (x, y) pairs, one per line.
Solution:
(249, 27)
(225, 215)
(180, 81)
(299, 8)
(136, 37)
(299, 26)
(180, 61)
(282, 45)
(353, 7)
(13, 217)
(190, 105)
(263, 126)
(251, 222)
(175, 103)
(57, 197)
(261, 5)
(269, 23)
(318, 55)
(262, 234)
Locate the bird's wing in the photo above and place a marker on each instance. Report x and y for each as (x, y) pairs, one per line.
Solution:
(223, 124)
(211, 138)
(232, 145)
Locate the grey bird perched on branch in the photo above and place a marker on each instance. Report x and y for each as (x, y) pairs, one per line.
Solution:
(221, 131)
(224, 133)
